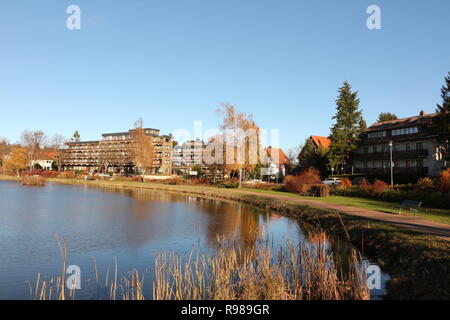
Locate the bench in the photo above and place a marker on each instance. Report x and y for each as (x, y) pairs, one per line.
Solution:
(411, 205)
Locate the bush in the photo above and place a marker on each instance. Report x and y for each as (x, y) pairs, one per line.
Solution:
(379, 186)
(33, 180)
(320, 190)
(302, 182)
(67, 175)
(443, 184)
(199, 181)
(365, 185)
(345, 183)
(425, 184)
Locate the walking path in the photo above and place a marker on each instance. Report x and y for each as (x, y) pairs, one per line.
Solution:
(441, 230)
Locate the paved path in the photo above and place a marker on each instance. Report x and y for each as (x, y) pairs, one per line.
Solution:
(439, 229)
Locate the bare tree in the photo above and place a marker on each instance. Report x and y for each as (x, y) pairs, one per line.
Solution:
(33, 141)
(58, 144)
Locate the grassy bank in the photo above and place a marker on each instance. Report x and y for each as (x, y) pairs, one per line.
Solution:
(438, 215)
(419, 265)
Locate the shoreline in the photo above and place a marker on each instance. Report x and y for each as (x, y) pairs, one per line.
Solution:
(415, 262)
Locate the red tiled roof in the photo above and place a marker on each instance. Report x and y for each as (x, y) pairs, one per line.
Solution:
(279, 158)
(323, 142)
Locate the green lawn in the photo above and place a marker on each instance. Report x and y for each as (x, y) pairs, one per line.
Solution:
(437, 215)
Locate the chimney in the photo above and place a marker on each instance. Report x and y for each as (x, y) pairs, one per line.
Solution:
(422, 113)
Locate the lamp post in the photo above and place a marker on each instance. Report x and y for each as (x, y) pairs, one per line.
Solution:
(392, 164)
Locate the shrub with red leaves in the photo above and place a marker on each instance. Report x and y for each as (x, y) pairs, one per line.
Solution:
(302, 182)
(379, 186)
(443, 183)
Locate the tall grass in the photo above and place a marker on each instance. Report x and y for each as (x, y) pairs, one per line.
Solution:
(293, 272)
(33, 181)
(233, 272)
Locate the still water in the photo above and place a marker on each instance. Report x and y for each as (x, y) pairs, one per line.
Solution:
(128, 225)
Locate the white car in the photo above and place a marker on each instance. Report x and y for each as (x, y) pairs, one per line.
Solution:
(332, 181)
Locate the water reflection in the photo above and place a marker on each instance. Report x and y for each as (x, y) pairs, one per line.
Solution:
(131, 225)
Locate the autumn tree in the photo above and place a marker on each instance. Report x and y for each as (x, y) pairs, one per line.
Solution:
(17, 160)
(345, 132)
(443, 116)
(386, 116)
(142, 152)
(241, 140)
(33, 142)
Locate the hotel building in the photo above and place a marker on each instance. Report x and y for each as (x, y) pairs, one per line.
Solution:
(415, 149)
(113, 153)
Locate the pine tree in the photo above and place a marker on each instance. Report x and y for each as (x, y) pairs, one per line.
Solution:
(76, 137)
(443, 117)
(313, 157)
(386, 116)
(345, 132)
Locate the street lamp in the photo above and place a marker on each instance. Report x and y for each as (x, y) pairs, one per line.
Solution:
(392, 164)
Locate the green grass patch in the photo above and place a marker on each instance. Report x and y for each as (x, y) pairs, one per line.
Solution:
(438, 215)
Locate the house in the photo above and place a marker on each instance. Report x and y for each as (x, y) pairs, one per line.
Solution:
(46, 161)
(276, 162)
(414, 145)
(321, 142)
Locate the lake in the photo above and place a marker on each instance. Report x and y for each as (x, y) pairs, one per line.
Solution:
(128, 225)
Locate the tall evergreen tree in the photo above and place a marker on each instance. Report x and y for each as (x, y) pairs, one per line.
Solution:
(345, 132)
(313, 157)
(386, 116)
(76, 137)
(443, 117)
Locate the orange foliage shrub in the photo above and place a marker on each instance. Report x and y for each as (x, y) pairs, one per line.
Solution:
(425, 184)
(443, 183)
(345, 183)
(302, 182)
(379, 186)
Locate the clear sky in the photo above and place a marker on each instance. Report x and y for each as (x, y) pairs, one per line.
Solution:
(173, 62)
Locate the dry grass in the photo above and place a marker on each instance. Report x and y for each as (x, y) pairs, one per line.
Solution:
(234, 272)
(33, 181)
(294, 272)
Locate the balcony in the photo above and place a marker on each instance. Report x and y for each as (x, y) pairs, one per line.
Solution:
(423, 171)
(396, 155)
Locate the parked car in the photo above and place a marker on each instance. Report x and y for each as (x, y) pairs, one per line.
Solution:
(332, 181)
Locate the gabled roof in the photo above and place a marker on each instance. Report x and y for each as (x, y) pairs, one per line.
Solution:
(323, 142)
(278, 155)
(402, 123)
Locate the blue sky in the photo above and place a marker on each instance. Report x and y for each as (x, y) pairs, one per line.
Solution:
(173, 62)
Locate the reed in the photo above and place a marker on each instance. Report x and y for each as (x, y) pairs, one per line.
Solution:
(233, 272)
(33, 181)
(293, 272)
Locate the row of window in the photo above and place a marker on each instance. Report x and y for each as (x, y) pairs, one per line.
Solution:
(394, 132)
(396, 147)
(397, 164)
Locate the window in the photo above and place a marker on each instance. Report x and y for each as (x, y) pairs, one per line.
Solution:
(377, 134)
(375, 149)
(407, 147)
(365, 150)
(419, 163)
(403, 131)
(419, 146)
